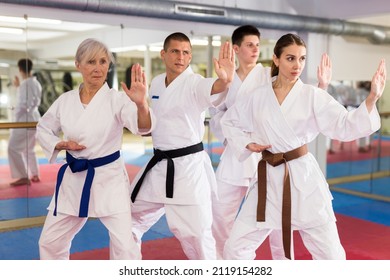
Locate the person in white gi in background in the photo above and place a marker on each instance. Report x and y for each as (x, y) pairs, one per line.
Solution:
(94, 181)
(233, 176)
(362, 91)
(179, 99)
(22, 158)
(291, 192)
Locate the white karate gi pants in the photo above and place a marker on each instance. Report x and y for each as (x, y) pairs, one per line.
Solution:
(21, 154)
(364, 142)
(225, 209)
(190, 224)
(59, 231)
(322, 242)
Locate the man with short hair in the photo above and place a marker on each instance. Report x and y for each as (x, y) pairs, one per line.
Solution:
(179, 179)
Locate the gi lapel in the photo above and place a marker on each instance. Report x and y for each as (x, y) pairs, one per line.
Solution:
(162, 96)
(256, 78)
(281, 134)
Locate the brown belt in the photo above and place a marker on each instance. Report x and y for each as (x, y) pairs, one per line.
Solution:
(275, 160)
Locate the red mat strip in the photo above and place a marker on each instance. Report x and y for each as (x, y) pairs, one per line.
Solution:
(361, 239)
(45, 187)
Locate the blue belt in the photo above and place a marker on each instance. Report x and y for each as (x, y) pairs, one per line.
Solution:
(78, 165)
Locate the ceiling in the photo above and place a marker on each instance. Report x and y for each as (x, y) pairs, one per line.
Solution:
(59, 39)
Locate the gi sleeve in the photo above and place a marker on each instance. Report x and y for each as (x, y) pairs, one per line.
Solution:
(338, 123)
(129, 117)
(48, 132)
(216, 114)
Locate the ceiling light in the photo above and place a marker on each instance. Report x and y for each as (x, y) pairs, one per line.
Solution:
(139, 48)
(12, 19)
(205, 42)
(45, 20)
(126, 49)
(29, 19)
(11, 30)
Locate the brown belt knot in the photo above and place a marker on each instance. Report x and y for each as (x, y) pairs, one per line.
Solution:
(275, 160)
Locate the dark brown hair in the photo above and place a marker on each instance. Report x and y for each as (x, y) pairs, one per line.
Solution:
(283, 42)
(242, 31)
(25, 65)
(177, 36)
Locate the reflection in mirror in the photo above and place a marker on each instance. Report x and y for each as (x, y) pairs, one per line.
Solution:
(15, 101)
(358, 166)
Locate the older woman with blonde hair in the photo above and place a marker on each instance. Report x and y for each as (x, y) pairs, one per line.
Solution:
(93, 182)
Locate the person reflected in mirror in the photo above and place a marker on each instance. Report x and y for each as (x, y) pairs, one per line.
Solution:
(362, 91)
(67, 81)
(22, 157)
(128, 75)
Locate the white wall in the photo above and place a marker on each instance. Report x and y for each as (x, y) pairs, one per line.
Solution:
(358, 61)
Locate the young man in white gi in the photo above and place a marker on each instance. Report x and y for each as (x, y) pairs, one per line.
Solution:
(233, 176)
(279, 120)
(180, 178)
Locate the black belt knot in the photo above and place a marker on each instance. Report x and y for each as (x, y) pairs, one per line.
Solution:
(159, 155)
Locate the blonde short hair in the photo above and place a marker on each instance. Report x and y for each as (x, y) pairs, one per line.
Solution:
(89, 48)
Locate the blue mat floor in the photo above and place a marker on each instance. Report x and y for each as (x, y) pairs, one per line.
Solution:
(23, 244)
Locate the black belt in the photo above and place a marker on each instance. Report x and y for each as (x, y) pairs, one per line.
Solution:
(169, 155)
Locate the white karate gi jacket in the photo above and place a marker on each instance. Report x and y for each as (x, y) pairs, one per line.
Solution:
(306, 112)
(230, 170)
(29, 94)
(180, 112)
(99, 126)
(22, 140)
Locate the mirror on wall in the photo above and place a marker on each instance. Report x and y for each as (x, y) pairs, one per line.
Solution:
(360, 165)
(14, 181)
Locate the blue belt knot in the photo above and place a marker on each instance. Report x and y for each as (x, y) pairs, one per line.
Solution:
(78, 165)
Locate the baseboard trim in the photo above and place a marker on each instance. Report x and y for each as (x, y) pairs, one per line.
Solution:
(23, 223)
